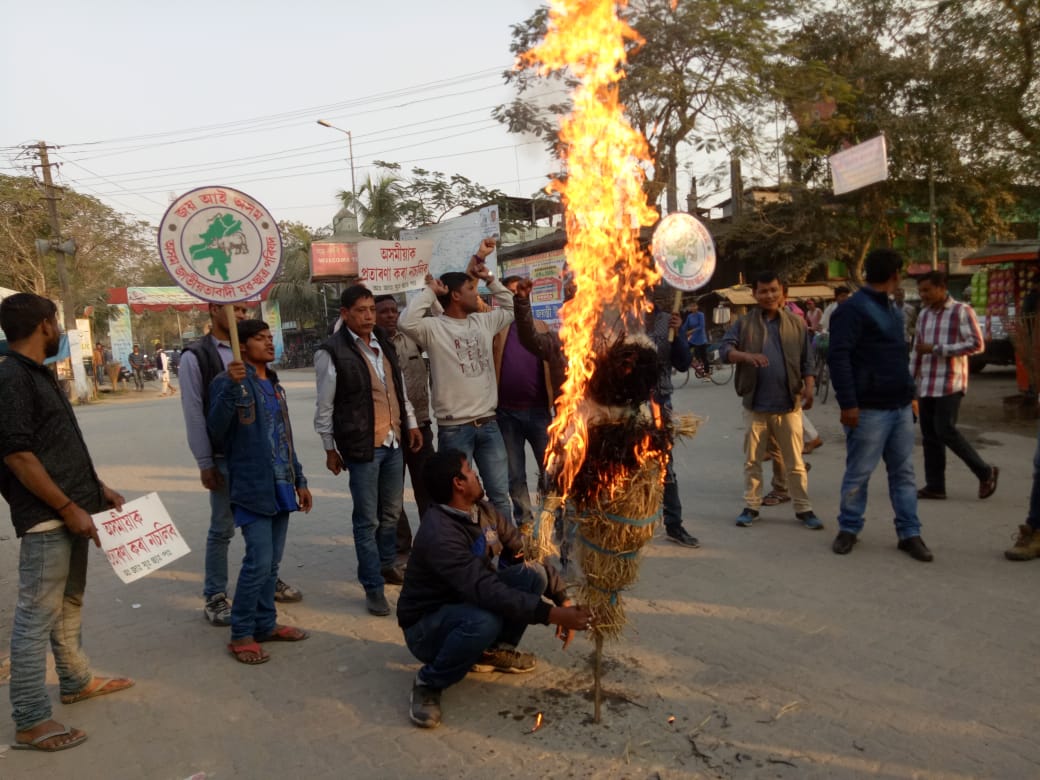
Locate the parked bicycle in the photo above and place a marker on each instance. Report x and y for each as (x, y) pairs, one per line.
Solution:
(718, 372)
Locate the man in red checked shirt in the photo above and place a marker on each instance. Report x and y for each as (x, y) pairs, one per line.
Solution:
(946, 334)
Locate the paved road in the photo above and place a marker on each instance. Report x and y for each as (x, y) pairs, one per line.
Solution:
(760, 655)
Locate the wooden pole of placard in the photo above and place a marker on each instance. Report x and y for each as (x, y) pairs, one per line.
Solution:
(229, 312)
(675, 310)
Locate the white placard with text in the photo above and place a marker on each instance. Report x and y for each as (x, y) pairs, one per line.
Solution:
(140, 538)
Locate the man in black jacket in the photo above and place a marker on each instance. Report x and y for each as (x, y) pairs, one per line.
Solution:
(870, 373)
(364, 418)
(458, 611)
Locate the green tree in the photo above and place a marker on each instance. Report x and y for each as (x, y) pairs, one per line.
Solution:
(378, 206)
(298, 298)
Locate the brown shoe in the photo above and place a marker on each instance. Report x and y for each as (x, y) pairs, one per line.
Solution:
(812, 445)
(987, 487)
(1027, 545)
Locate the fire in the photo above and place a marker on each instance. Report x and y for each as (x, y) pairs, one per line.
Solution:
(605, 206)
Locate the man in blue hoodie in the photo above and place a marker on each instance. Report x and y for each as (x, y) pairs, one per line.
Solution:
(871, 377)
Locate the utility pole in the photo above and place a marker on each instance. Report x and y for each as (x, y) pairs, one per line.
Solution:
(59, 255)
(60, 249)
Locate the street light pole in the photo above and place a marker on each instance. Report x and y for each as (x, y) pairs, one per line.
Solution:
(350, 148)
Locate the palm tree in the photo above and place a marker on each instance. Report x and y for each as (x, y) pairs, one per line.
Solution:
(298, 298)
(378, 206)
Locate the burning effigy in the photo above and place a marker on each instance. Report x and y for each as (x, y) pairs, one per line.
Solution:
(609, 442)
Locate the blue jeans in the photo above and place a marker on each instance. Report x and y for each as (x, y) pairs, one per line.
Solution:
(253, 612)
(452, 639)
(376, 489)
(520, 427)
(483, 446)
(52, 574)
(888, 434)
(1033, 519)
(671, 505)
(221, 531)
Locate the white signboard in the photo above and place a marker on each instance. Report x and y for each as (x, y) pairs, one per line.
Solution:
(220, 245)
(456, 240)
(859, 165)
(139, 539)
(388, 267)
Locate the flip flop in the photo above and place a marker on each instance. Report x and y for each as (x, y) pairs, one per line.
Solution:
(238, 652)
(285, 634)
(773, 498)
(103, 687)
(37, 744)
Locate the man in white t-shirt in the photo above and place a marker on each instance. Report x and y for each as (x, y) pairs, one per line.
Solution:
(462, 370)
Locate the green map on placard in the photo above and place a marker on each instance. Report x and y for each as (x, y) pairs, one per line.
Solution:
(221, 238)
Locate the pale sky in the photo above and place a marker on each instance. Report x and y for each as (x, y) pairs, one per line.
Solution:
(149, 100)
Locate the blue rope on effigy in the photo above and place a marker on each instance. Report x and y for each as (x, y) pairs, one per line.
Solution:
(642, 521)
(612, 553)
(613, 593)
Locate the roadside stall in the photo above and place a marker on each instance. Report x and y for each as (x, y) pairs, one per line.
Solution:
(999, 288)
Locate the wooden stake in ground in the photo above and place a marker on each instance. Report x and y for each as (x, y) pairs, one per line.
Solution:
(597, 678)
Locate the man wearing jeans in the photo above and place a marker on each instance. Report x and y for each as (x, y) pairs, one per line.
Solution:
(49, 483)
(465, 392)
(871, 377)
(458, 611)
(524, 407)
(363, 417)
(199, 366)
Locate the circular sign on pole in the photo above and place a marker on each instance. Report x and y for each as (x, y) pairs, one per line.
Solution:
(220, 245)
(684, 251)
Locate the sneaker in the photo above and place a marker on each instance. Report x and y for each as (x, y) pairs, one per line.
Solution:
(680, 536)
(1027, 545)
(218, 610)
(499, 659)
(286, 593)
(747, 518)
(916, 549)
(810, 520)
(376, 603)
(425, 706)
(392, 575)
(844, 542)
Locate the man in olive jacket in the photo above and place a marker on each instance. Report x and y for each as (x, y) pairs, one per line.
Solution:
(364, 418)
(770, 347)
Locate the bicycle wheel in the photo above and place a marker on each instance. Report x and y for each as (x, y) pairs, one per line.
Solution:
(823, 384)
(721, 372)
(680, 378)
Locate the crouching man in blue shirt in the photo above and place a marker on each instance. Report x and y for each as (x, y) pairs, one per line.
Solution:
(459, 612)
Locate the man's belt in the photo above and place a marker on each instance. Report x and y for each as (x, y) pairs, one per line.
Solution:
(480, 422)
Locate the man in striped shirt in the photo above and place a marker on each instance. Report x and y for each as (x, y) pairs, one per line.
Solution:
(946, 334)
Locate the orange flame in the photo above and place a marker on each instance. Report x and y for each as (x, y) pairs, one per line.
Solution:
(604, 202)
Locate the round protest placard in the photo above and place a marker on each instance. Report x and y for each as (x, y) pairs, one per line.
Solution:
(684, 251)
(220, 245)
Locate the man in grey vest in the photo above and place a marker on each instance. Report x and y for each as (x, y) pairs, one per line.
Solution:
(363, 417)
(775, 371)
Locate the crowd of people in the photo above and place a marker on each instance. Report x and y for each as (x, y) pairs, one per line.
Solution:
(489, 378)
